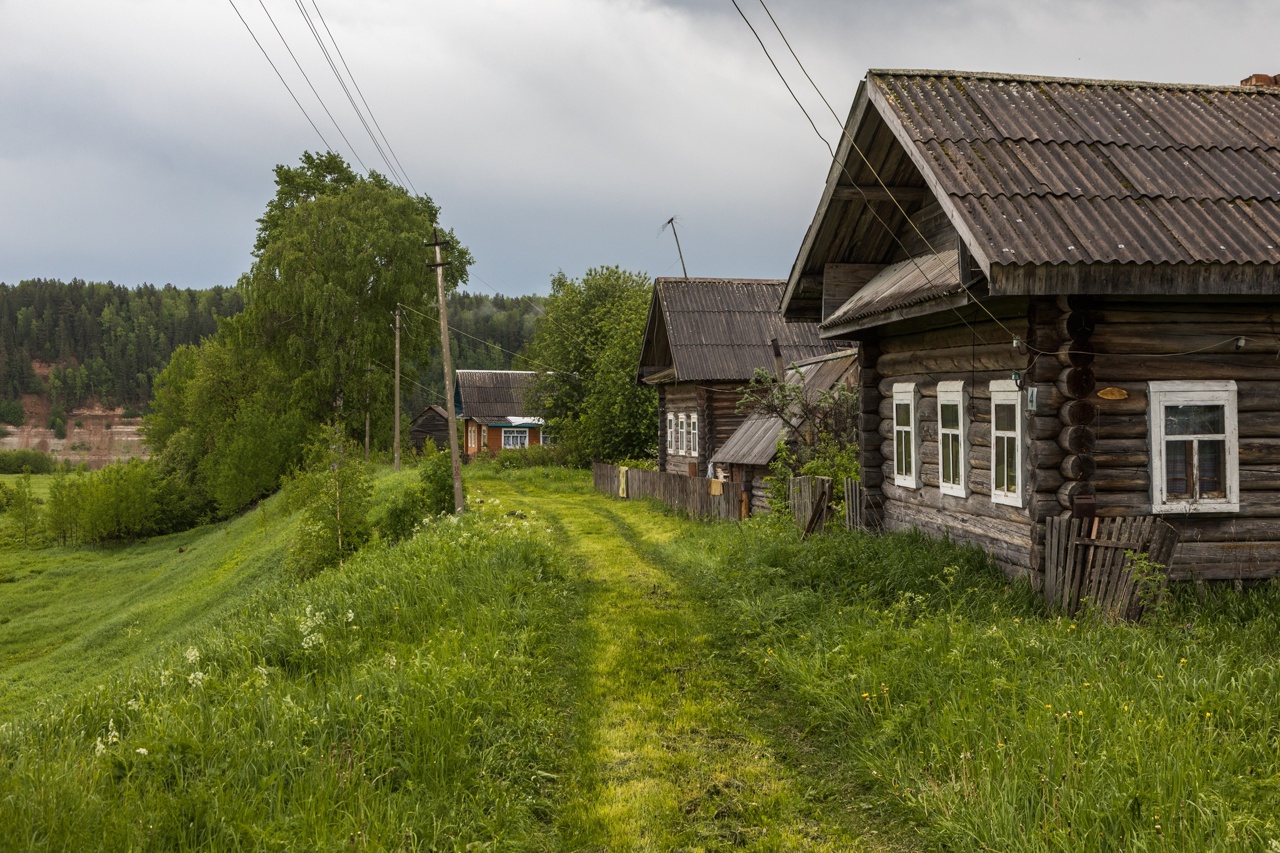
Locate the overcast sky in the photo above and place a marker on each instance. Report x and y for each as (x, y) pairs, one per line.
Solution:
(137, 137)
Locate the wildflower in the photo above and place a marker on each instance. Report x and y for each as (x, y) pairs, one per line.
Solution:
(1207, 715)
(134, 704)
(164, 677)
(142, 750)
(113, 736)
(1086, 684)
(1182, 660)
(192, 654)
(312, 640)
(1049, 706)
(351, 617)
(99, 747)
(866, 696)
(1159, 676)
(1126, 707)
(196, 679)
(1079, 713)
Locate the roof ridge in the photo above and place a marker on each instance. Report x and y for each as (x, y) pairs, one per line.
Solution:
(1075, 81)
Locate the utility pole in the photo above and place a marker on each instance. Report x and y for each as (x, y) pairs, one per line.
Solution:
(459, 502)
(396, 439)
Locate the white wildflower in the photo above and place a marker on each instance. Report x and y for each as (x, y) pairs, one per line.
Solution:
(351, 616)
(142, 750)
(196, 679)
(164, 677)
(99, 747)
(390, 660)
(134, 704)
(113, 736)
(312, 640)
(192, 655)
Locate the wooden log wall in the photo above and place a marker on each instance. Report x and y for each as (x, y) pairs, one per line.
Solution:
(1070, 370)
(977, 354)
(1137, 341)
(716, 407)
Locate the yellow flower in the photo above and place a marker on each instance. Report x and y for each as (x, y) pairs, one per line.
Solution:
(1182, 660)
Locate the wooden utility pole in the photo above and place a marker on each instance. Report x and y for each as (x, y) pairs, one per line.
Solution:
(396, 439)
(459, 502)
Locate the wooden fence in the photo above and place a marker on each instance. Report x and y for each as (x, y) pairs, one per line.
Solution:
(810, 501)
(697, 497)
(1091, 560)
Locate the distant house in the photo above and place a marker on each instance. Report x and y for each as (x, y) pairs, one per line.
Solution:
(703, 341)
(491, 405)
(1066, 296)
(431, 424)
(745, 458)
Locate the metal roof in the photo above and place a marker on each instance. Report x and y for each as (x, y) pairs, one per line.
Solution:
(908, 282)
(718, 330)
(485, 395)
(1044, 174)
(1051, 171)
(756, 441)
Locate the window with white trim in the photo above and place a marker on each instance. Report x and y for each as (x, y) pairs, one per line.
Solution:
(953, 439)
(671, 432)
(484, 437)
(693, 435)
(472, 433)
(682, 423)
(514, 439)
(1195, 446)
(1006, 443)
(906, 436)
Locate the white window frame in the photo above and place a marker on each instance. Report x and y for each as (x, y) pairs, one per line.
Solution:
(906, 476)
(1005, 392)
(671, 432)
(682, 424)
(1195, 393)
(693, 434)
(484, 437)
(954, 394)
(519, 436)
(472, 436)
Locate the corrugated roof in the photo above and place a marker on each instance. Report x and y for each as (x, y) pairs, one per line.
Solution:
(493, 394)
(718, 330)
(756, 441)
(1058, 171)
(908, 282)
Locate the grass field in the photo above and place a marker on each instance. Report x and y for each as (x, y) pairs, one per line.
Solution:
(39, 483)
(563, 671)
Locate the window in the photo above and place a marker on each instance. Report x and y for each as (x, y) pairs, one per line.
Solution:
(681, 423)
(471, 436)
(953, 445)
(513, 439)
(906, 437)
(1006, 443)
(1195, 447)
(693, 435)
(484, 437)
(671, 432)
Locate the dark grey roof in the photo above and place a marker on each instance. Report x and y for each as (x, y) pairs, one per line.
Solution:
(899, 285)
(486, 394)
(1048, 181)
(718, 330)
(1046, 171)
(756, 441)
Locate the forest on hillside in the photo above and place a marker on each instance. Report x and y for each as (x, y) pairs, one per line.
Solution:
(103, 340)
(109, 342)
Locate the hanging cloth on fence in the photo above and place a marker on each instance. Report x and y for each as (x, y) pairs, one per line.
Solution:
(622, 482)
(716, 488)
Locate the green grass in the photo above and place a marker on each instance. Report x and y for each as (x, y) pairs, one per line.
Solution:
(39, 483)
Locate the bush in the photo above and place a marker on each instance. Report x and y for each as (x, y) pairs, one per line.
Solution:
(437, 484)
(11, 412)
(537, 456)
(335, 492)
(15, 461)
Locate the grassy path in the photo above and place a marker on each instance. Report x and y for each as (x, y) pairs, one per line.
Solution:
(669, 756)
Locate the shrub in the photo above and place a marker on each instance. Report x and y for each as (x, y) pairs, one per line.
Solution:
(11, 412)
(335, 493)
(15, 461)
(437, 483)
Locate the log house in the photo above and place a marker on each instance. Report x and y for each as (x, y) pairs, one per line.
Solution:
(1067, 299)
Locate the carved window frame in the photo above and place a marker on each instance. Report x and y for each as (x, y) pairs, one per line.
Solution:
(956, 438)
(1193, 393)
(1005, 392)
(906, 435)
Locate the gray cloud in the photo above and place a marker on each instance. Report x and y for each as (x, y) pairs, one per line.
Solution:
(138, 137)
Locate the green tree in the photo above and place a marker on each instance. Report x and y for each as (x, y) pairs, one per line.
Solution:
(587, 345)
(22, 507)
(61, 508)
(336, 495)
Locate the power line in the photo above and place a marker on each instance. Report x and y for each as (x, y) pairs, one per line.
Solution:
(315, 33)
(267, 56)
(374, 118)
(285, 41)
(456, 331)
(541, 311)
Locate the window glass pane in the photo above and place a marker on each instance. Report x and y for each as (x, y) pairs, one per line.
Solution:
(1001, 463)
(1006, 417)
(902, 414)
(951, 459)
(1194, 420)
(950, 416)
(1011, 469)
(1212, 468)
(1177, 468)
(904, 453)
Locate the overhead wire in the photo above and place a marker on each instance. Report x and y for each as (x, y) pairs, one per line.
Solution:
(324, 50)
(325, 107)
(457, 331)
(288, 89)
(372, 117)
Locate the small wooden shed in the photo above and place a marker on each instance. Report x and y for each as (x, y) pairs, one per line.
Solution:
(431, 424)
(491, 405)
(702, 343)
(1066, 295)
(745, 458)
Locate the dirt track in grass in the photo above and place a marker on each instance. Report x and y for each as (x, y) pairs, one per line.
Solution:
(673, 752)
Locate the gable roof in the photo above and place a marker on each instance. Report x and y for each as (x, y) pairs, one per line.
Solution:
(1045, 179)
(485, 395)
(718, 330)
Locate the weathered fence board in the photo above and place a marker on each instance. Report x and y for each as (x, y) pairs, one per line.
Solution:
(810, 501)
(1091, 561)
(697, 497)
